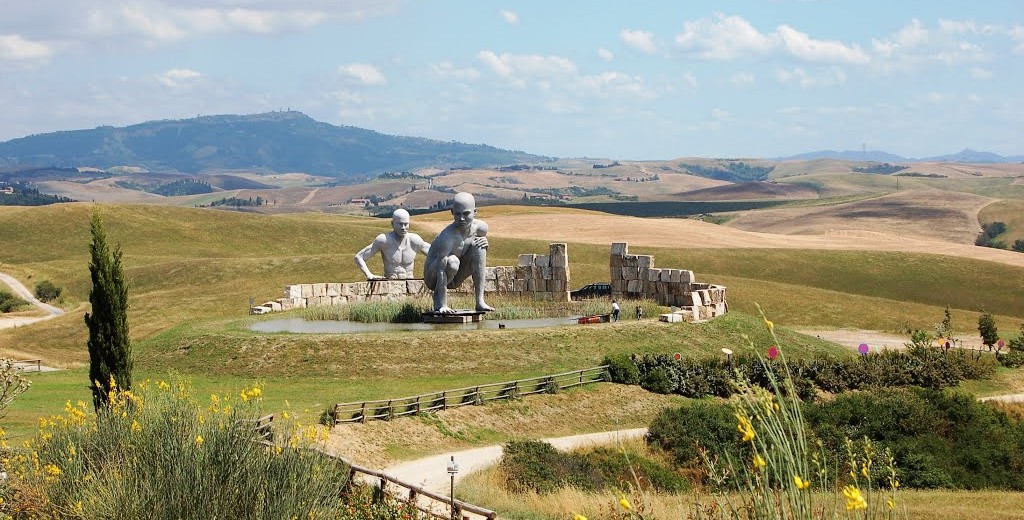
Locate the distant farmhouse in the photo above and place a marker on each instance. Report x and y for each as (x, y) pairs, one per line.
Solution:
(7, 190)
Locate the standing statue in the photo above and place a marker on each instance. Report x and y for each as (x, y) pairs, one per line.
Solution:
(398, 249)
(459, 251)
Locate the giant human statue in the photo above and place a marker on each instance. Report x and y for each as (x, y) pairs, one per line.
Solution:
(398, 249)
(459, 251)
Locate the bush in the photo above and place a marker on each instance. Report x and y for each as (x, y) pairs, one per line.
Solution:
(47, 291)
(538, 467)
(938, 439)
(10, 302)
(684, 431)
(163, 454)
(658, 381)
(622, 369)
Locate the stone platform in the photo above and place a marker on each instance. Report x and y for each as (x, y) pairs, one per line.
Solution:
(456, 317)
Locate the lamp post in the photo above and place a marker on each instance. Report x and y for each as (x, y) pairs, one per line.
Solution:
(453, 468)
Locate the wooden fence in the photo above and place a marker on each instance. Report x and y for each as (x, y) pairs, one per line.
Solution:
(25, 364)
(386, 409)
(436, 505)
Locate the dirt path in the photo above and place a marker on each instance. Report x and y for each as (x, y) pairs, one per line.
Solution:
(876, 340)
(310, 196)
(25, 294)
(431, 473)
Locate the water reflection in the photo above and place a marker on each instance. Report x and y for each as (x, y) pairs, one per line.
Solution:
(302, 326)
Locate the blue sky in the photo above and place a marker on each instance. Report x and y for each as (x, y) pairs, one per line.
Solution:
(625, 80)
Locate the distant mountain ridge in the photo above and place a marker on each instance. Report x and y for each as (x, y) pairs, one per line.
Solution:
(963, 156)
(275, 141)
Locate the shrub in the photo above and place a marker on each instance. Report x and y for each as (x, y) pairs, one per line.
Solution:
(683, 431)
(658, 381)
(10, 302)
(163, 454)
(622, 369)
(47, 291)
(938, 439)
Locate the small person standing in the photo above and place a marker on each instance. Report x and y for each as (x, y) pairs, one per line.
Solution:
(615, 310)
(639, 312)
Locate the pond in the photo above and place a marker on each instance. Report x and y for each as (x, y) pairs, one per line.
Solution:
(302, 326)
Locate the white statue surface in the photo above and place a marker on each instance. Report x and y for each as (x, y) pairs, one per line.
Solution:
(397, 248)
(457, 253)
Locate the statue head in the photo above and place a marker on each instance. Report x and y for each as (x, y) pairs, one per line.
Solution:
(400, 222)
(463, 209)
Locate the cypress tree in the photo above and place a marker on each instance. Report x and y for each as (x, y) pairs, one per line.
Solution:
(987, 329)
(110, 350)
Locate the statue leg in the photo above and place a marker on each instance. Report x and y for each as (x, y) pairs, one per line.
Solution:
(438, 280)
(478, 263)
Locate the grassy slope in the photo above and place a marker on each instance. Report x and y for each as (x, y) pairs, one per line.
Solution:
(192, 272)
(1009, 211)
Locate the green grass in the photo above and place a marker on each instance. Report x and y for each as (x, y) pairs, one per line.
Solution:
(1009, 211)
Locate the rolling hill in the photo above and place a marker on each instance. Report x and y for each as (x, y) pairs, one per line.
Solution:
(276, 141)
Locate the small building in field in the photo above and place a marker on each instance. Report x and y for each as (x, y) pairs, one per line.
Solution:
(7, 190)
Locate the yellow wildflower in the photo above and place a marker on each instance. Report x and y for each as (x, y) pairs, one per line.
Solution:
(199, 440)
(801, 483)
(854, 500)
(136, 427)
(624, 502)
(577, 516)
(770, 325)
(759, 462)
(864, 471)
(744, 427)
(891, 504)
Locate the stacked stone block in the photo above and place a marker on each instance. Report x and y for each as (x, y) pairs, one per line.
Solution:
(543, 277)
(635, 277)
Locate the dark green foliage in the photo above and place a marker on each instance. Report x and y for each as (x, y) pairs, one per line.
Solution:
(939, 439)
(917, 366)
(987, 329)
(989, 232)
(183, 187)
(732, 171)
(47, 291)
(884, 168)
(1018, 245)
(10, 302)
(25, 195)
(110, 349)
(622, 369)
(237, 202)
(683, 431)
(537, 466)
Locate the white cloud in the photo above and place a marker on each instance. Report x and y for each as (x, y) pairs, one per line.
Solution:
(518, 66)
(718, 113)
(826, 77)
(827, 51)
(725, 38)
(447, 69)
(364, 73)
(605, 54)
(981, 73)
(15, 48)
(732, 37)
(911, 35)
(690, 79)
(609, 83)
(958, 26)
(175, 78)
(510, 16)
(642, 41)
(742, 79)
(1017, 35)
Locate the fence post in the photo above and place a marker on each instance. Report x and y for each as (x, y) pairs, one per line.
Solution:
(444, 400)
(417, 405)
(581, 377)
(362, 413)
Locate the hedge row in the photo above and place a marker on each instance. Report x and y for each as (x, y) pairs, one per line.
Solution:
(916, 366)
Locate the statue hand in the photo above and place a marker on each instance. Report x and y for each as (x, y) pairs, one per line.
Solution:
(374, 278)
(480, 242)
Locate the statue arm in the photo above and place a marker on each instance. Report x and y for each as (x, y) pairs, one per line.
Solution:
(367, 253)
(480, 240)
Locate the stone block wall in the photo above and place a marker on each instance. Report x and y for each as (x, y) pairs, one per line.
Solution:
(635, 277)
(543, 277)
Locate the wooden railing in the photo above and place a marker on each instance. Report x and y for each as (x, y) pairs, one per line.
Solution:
(385, 409)
(406, 493)
(25, 364)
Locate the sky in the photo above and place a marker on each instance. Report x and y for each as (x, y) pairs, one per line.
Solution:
(604, 79)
